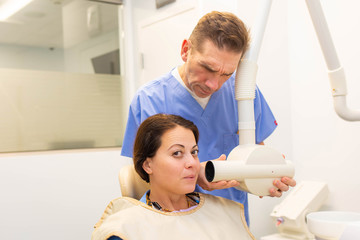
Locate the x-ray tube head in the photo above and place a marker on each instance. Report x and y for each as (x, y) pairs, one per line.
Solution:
(254, 166)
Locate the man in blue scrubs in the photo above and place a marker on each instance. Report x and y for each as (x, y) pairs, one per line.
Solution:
(202, 91)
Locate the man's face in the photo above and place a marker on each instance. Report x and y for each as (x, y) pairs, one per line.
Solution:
(205, 72)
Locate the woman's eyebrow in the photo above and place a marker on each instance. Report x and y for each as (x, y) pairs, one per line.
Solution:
(176, 144)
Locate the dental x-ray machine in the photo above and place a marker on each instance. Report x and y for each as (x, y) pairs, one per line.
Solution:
(254, 166)
(257, 166)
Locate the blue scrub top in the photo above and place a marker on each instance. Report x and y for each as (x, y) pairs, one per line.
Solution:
(217, 123)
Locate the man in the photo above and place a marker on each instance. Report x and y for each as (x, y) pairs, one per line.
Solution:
(202, 91)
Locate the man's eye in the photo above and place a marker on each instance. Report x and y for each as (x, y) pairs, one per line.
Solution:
(226, 75)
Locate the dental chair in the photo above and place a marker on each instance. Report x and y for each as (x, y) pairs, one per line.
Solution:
(131, 184)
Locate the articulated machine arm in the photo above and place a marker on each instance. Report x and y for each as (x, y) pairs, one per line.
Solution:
(335, 70)
(257, 166)
(254, 166)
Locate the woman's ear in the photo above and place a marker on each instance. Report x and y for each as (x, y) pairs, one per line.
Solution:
(185, 48)
(147, 166)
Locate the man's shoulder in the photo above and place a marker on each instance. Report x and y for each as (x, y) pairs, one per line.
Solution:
(155, 92)
(161, 82)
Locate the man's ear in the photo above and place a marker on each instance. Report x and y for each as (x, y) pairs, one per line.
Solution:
(147, 164)
(185, 48)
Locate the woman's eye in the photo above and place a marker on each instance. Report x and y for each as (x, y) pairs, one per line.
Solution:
(177, 153)
(195, 152)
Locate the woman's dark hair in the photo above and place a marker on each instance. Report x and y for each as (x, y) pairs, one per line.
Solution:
(148, 137)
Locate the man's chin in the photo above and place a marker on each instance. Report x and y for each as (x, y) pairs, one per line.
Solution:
(202, 95)
(199, 92)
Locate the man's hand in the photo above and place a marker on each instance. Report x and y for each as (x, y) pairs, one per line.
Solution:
(204, 184)
(282, 186)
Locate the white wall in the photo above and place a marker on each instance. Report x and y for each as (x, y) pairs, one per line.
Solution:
(325, 146)
(56, 195)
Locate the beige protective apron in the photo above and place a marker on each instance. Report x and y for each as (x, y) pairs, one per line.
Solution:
(214, 218)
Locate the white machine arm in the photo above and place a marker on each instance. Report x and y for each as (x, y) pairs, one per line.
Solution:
(245, 79)
(335, 70)
(254, 166)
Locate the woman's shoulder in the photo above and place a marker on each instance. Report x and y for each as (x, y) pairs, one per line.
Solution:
(219, 200)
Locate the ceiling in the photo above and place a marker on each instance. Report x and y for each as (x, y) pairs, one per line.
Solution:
(56, 23)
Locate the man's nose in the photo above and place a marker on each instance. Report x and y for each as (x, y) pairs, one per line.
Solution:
(212, 83)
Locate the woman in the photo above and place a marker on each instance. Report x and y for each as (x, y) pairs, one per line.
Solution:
(165, 155)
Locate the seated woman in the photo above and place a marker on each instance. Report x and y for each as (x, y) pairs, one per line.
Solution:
(165, 155)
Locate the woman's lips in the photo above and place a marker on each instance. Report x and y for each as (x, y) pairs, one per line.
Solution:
(190, 177)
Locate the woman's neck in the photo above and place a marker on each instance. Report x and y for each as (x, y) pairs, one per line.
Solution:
(169, 202)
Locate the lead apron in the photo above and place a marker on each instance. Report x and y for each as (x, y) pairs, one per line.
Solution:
(214, 218)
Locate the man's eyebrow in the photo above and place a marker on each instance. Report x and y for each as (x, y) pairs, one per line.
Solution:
(204, 65)
(207, 67)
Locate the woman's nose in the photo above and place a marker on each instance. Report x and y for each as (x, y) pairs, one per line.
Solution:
(190, 161)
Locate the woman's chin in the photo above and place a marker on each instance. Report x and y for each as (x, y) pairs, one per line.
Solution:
(190, 189)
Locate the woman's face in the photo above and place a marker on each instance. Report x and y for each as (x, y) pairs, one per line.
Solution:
(175, 167)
